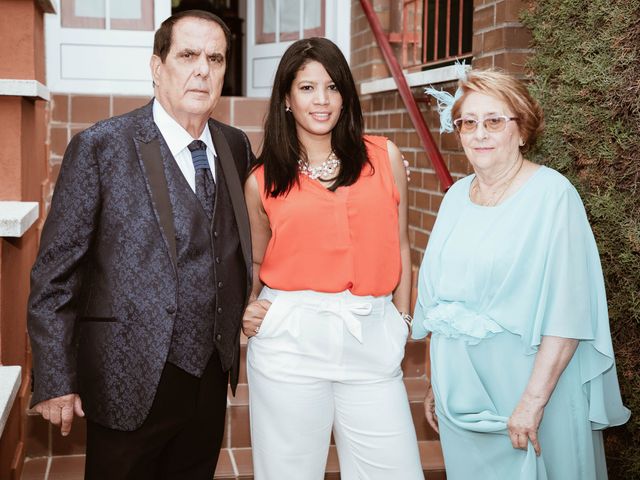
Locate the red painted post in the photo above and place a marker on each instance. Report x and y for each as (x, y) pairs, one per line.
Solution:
(410, 102)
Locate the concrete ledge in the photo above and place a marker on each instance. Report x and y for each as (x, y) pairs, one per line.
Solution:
(9, 385)
(17, 217)
(24, 88)
(428, 77)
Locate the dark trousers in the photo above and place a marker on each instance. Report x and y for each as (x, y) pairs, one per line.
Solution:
(180, 439)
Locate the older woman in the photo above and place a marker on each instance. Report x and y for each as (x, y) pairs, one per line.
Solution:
(511, 289)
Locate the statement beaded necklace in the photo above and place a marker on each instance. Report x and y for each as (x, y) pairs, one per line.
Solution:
(324, 171)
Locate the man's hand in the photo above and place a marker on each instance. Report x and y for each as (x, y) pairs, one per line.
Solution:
(60, 411)
(253, 317)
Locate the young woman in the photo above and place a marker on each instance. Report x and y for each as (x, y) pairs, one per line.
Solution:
(328, 213)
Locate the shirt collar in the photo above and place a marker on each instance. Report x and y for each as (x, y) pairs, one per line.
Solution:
(177, 138)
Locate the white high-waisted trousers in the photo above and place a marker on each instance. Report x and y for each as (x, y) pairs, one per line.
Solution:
(326, 361)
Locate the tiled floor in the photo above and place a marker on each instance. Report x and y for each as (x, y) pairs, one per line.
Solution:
(53, 457)
(234, 464)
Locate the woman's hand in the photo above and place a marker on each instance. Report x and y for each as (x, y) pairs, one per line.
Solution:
(524, 423)
(253, 317)
(430, 409)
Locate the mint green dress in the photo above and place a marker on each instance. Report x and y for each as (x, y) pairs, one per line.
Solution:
(493, 282)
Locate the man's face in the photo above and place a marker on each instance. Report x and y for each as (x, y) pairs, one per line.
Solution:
(189, 81)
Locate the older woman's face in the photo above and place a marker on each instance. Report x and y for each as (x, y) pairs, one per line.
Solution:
(489, 150)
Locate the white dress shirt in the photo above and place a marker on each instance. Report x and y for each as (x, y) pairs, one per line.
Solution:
(178, 139)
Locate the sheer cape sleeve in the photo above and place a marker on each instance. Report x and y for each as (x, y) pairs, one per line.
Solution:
(553, 287)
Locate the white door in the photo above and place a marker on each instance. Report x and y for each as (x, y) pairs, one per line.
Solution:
(273, 25)
(102, 47)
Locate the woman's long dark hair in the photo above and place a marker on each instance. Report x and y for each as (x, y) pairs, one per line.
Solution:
(281, 149)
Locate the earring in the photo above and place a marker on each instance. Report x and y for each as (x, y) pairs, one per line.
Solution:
(287, 109)
(522, 142)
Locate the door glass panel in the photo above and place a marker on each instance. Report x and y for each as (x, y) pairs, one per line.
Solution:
(269, 16)
(288, 12)
(90, 8)
(312, 14)
(126, 9)
(124, 14)
(289, 19)
(131, 14)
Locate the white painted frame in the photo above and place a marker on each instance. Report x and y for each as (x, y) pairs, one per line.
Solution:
(100, 62)
(267, 55)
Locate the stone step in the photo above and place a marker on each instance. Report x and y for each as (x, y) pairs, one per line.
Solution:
(235, 459)
(46, 449)
(235, 463)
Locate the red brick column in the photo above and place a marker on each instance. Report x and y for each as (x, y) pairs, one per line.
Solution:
(23, 154)
(499, 39)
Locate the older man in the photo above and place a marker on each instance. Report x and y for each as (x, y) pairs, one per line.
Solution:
(144, 270)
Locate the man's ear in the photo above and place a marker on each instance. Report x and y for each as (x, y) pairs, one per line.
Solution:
(155, 65)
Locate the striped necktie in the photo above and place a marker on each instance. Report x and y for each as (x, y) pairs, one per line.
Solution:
(205, 186)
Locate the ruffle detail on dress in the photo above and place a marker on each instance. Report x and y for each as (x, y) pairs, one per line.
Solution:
(454, 320)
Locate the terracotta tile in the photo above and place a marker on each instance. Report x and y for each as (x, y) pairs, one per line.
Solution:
(415, 358)
(224, 469)
(255, 138)
(242, 395)
(244, 461)
(431, 455)
(60, 108)
(333, 465)
(34, 468)
(54, 169)
(239, 423)
(242, 378)
(332, 476)
(423, 430)
(58, 140)
(249, 112)
(72, 444)
(416, 388)
(75, 131)
(440, 475)
(36, 436)
(67, 468)
(126, 104)
(88, 109)
(222, 112)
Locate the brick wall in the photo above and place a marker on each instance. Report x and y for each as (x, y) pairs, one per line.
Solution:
(499, 41)
(71, 114)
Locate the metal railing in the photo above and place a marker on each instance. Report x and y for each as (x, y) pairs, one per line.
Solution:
(407, 97)
(433, 32)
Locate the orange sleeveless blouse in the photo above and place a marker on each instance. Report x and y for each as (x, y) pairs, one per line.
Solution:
(334, 241)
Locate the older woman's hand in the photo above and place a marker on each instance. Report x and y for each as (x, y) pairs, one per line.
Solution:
(253, 317)
(430, 409)
(524, 423)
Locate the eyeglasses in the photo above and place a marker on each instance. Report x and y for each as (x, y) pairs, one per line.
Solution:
(491, 124)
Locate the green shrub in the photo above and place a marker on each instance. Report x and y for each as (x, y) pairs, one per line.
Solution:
(586, 74)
